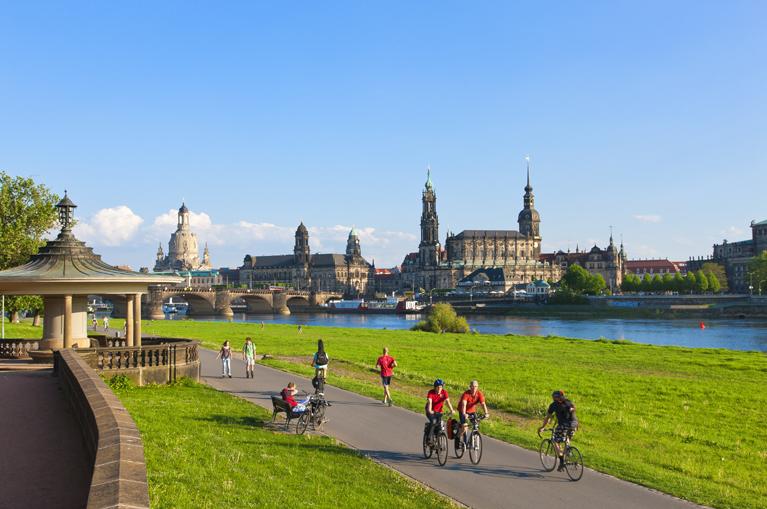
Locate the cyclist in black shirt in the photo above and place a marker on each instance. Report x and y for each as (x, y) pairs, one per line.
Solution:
(567, 422)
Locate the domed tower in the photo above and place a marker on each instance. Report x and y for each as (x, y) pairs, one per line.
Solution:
(353, 244)
(183, 252)
(428, 249)
(301, 248)
(529, 220)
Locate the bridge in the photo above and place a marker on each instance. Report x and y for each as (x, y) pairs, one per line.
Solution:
(218, 301)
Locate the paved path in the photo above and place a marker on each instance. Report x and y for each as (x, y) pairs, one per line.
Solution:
(507, 477)
(43, 461)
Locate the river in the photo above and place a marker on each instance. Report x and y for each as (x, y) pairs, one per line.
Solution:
(735, 334)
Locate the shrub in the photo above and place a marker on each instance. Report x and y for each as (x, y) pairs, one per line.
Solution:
(119, 383)
(443, 318)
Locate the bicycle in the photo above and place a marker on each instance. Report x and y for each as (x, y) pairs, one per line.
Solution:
(472, 440)
(314, 414)
(436, 442)
(572, 456)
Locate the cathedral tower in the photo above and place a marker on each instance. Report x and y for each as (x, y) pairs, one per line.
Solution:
(353, 244)
(301, 248)
(428, 249)
(529, 220)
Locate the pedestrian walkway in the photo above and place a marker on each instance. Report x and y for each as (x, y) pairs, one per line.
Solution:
(507, 477)
(43, 461)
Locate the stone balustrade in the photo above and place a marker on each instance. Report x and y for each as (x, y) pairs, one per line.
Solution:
(111, 437)
(17, 348)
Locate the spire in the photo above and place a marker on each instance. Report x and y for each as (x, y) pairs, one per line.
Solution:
(528, 187)
(428, 177)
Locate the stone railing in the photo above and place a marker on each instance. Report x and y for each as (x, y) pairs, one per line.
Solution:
(111, 436)
(17, 348)
(156, 361)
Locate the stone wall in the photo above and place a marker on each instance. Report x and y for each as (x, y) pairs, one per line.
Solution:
(111, 437)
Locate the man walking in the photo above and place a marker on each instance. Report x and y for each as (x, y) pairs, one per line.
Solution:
(387, 364)
(249, 356)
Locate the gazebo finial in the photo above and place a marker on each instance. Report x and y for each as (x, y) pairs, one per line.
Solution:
(66, 213)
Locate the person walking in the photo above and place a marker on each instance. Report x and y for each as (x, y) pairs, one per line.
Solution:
(300, 329)
(225, 354)
(249, 356)
(387, 364)
(95, 323)
(106, 323)
(320, 361)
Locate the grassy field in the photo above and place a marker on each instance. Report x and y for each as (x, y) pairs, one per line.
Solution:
(684, 421)
(207, 449)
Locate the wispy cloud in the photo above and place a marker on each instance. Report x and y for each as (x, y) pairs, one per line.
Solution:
(732, 231)
(648, 218)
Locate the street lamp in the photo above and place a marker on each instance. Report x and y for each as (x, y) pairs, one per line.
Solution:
(760, 285)
(66, 212)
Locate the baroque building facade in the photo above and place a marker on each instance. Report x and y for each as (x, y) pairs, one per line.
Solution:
(609, 262)
(347, 273)
(514, 252)
(736, 258)
(183, 250)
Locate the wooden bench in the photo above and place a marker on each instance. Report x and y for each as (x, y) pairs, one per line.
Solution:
(280, 406)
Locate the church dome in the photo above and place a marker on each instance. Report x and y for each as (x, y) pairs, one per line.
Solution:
(183, 209)
(301, 229)
(529, 215)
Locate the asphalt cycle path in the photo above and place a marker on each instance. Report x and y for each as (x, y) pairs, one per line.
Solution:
(507, 476)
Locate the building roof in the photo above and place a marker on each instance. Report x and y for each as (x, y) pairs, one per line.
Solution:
(761, 223)
(286, 261)
(483, 234)
(652, 265)
(64, 263)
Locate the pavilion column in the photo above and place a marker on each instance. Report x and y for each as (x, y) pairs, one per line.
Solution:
(68, 321)
(137, 320)
(129, 320)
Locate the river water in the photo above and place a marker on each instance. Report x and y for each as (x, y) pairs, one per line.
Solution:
(735, 334)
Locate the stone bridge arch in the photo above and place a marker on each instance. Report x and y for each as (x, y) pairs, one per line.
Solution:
(256, 303)
(200, 303)
(297, 303)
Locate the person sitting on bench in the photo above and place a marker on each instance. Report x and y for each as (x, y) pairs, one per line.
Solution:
(288, 395)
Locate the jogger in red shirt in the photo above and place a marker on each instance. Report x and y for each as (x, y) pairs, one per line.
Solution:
(387, 364)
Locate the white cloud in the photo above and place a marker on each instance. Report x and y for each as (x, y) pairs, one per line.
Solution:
(110, 227)
(648, 218)
(733, 231)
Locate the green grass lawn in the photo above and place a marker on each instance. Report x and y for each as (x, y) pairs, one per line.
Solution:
(207, 449)
(681, 420)
(23, 330)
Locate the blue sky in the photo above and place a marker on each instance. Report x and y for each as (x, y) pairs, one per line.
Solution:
(647, 116)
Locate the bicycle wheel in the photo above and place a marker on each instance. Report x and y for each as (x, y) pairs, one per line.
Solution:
(318, 416)
(442, 449)
(427, 450)
(574, 463)
(460, 447)
(303, 422)
(475, 448)
(548, 455)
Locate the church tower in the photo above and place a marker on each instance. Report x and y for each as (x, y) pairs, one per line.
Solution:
(353, 244)
(529, 220)
(301, 248)
(428, 249)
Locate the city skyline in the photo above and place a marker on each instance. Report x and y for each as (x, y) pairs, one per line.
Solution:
(649, 120)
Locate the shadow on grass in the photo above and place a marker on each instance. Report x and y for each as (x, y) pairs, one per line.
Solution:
(245, 421)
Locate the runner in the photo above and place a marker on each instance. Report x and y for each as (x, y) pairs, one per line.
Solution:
(249, 356)
(387, 364)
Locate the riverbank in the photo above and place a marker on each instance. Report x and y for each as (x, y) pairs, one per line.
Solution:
(681, 420)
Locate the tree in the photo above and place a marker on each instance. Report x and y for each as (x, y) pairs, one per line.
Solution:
(576, 278)
(757, 272)
(701, 282)
(646, 285)
(656, 284)
(713, 283)
(689, 282)
(668, 282)
(443, 318)
(678, 284)
(718, 270)
(27, 213)
(596, 285)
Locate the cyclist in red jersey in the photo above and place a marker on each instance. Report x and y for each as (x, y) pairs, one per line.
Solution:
(435, 400)
(467, 406)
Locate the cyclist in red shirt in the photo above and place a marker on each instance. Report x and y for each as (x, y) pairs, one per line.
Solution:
(435, 399)
(387, 364)
(467, 406)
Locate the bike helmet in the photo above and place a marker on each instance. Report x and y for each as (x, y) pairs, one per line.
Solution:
(438, 381)
(558, 394)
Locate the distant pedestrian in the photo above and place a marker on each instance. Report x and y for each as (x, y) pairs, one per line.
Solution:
(320, 361)
(387, 364)
(95, 322)
(262, 325)
(300, 329)
(249, 356)
(125, 330)
(225, 354)
(106, 323)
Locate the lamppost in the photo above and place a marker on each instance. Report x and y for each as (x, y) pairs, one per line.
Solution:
(760, 285)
